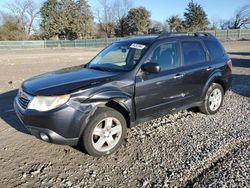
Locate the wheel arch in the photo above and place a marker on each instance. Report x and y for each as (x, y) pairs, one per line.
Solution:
(117, 100)
(221, 82)
(217, 77)
(120, 108)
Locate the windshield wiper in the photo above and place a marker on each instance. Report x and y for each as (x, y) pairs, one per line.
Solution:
(100, 68)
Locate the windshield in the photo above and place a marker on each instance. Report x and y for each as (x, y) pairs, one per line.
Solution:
(118, 57)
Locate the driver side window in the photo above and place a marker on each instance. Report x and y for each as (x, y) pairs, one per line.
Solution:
(166, 55)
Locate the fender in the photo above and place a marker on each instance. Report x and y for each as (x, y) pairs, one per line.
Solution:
(125, 100)
(115, 98)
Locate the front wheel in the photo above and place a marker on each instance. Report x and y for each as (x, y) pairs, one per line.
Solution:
(213, 99)
(104, 133)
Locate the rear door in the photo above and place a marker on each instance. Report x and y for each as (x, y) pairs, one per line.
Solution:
(196, 68)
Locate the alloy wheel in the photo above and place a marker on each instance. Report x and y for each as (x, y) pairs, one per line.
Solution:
(106, 134)
(215, 99)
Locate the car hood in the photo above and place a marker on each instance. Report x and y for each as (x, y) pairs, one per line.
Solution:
(66, 80)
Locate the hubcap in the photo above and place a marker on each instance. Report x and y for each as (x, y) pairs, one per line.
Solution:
(106, 134)
(215, 99)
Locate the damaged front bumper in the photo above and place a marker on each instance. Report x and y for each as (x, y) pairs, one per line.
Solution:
(63, 125)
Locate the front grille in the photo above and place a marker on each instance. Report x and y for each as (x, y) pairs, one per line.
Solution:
(24, 99)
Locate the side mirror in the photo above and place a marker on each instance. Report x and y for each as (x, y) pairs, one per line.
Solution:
(151, 67)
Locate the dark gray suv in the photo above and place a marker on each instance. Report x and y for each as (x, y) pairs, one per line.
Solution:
(130, 81)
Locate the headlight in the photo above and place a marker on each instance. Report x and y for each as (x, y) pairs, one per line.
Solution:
(44, 103)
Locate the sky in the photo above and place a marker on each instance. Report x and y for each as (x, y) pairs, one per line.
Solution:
(162, 9)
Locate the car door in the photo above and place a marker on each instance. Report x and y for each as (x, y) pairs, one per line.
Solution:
(196, 69)
(163, 91)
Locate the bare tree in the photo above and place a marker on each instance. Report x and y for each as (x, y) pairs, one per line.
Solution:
(9, 29)
(111, 13)
(121, 8)
(215, 23)
(25, 12)
(224, 24)
(241, 18)
(105, 17)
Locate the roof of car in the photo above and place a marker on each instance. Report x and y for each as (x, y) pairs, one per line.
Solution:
(149, 39)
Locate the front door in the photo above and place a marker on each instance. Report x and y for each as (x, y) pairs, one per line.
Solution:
(157, 93)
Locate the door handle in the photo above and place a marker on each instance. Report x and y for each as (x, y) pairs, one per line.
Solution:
(209, 68)
(178, 76)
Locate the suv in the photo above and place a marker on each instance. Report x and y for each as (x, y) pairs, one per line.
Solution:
(130, 81)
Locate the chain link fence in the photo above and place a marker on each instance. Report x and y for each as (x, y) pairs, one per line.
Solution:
(233, 34)
(99, 43)
(90, 43)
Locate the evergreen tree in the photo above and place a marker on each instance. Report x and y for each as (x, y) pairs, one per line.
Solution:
(195, 17)
(67, 19)
(137, 21)
(175, 23)
(52, 21)
(84, 20)
(79, 19)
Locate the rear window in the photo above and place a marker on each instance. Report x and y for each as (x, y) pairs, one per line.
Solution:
(214, 48)
(193, 52)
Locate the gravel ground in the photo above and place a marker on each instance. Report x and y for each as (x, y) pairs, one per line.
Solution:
(186, 149)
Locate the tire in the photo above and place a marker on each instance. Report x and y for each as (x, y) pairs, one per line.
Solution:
(213, 99)
(97, 138)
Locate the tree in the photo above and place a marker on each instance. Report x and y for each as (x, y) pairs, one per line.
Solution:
(241, 18)
(52, 21)
(106, 18)
(83, 20)
(156, 27)
(111, 16)
(79, 23)
(67, 19)
(120, 29)
(25, 12)
(215, 23)
(175, 23)
(195, 17)
(138, 21)
(121, 8)
(10, 30)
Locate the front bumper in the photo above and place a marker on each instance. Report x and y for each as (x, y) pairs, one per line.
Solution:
(63, 125)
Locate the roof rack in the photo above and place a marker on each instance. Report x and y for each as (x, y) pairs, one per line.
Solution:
(174, 34)
(206, 34)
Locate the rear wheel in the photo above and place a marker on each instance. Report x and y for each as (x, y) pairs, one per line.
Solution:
(104, 133)
(213, 99)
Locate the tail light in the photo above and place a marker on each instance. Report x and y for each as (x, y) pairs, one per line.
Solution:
(230, 63)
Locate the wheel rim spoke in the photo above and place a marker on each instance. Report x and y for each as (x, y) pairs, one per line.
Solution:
(108, 123)
(98, 131)
(115, 130)
(211, 99)
(99, 144)
(110, 141)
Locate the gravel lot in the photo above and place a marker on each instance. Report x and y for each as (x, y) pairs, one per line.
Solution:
(186, 149)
